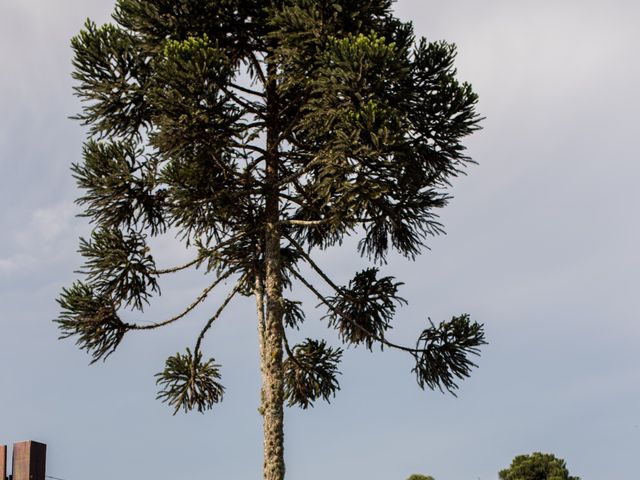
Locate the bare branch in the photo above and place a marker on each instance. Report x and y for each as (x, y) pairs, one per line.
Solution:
(217, 314)
(305, 223)
(313, 264)
(258, 124)
(252, 148)
(195, 303)
(291, 199)
(249, 106)
(178, 269)
(248, 90)
(200, 257)
(289, 352)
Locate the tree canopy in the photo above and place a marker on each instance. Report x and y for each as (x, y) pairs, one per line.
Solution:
(417, 476)
(256, 134)
(536, 466)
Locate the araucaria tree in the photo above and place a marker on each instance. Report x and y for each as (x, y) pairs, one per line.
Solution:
(258, 133)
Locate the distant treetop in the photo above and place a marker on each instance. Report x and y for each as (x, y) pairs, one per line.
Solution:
(537, 466)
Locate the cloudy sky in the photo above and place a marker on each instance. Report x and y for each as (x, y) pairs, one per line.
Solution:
(541, 246)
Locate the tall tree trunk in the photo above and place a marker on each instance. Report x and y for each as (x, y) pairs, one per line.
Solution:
(271, 361)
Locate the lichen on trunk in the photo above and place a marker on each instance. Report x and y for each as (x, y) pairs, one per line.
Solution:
(271, 362)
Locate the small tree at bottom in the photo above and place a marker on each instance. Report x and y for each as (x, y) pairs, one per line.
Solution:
(537, 466)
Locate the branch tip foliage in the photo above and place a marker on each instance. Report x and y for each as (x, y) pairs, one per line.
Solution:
(310, 373)
(362, 312)
(189, 383)
(92, 318)
(442, 353)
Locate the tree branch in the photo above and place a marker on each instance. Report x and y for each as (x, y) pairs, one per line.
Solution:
(200, 257)
(313, 264)
(252, 148)
(217, 314)
(195, 303)
(249, 106)
(299, 173)
(178, 269)
(258, 68)
(290, 352)
(305, 223)
(384, 341)
(292, 199)
(248, 90)
(285, 135)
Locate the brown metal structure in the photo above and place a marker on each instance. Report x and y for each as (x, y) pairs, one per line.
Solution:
(29, 460)
(3, 462)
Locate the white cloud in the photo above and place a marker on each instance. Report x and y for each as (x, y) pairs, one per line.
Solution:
(16, 262)
(47, 224)
(42, 241)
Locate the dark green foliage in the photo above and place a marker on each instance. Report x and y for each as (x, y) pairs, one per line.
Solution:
(92, 318)
(236, 25)
(226, 124)
(293, 315)
(446, 113)
(119, 266)
(188, 383)
(119, 183)
(193, 117)
(112, 77)
(442, 353)
(310, 373)
(537, 466)
(417, 476)
(362, 312)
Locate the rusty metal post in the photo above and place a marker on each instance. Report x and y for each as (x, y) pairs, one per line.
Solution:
(3, 462)
(29, 460)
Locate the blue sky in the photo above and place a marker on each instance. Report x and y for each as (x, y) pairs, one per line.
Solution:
(541, 247)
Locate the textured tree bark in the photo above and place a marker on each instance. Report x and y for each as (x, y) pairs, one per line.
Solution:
(272, 378)
(271, 362)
